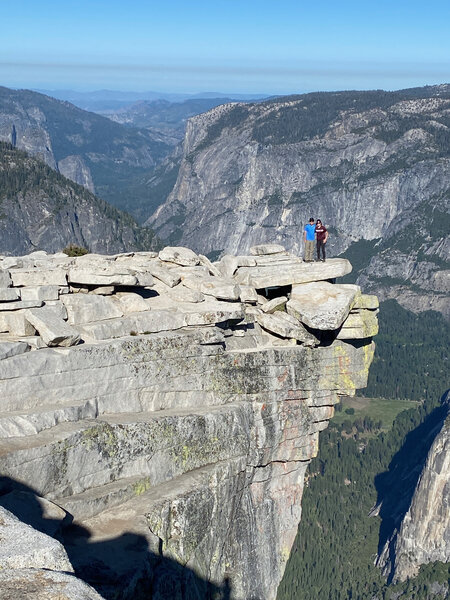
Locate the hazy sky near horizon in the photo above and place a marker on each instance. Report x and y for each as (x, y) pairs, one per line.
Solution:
(246, 46)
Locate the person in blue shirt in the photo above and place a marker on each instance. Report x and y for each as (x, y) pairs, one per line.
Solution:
(309, 236)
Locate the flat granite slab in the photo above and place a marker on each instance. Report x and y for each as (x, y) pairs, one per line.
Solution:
(291, 272)
(52, 329)
(321, 305)
(359, 325)
(163, 315)
(8, 349)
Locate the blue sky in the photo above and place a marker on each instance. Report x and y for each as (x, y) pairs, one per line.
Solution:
(245, 46)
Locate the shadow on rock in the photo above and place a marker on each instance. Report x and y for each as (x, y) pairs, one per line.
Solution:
(395, 487)
(118, 568)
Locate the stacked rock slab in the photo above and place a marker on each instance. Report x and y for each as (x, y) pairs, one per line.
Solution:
(175, 407)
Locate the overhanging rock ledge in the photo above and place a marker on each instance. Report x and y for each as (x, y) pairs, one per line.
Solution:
(153, 398)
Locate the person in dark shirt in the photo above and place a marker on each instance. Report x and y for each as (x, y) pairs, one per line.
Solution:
(321, 238)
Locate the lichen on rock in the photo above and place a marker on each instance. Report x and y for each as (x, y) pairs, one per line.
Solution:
(191, 437)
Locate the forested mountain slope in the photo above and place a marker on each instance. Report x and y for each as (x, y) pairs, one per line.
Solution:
(42, 210)
(105, 157)
(374, 166)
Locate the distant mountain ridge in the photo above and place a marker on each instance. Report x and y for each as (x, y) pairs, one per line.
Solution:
(105, 157)
(169, 117)
(106, 100)
(375, 166)
(42, 210)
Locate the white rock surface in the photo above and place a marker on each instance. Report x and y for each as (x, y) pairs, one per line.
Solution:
(263, 249)
(34, 341)
(291, 272)
(103, 290)
(8, 295)
(367, 301)
(129, 302)
(144, 279)
(89, 275)
(248, 294)
(222, 289)
(274, 304)
(16, 323)
(164, 316)
(285, 326)
(213, 270)
(5, 278)
(43, 584)
(321, 305)
(167, 276)
(359, 325)
(87, 308)
(21, 547)
(228, 264)
(59, 308)
(9, 262)
(8, 349)
(52, 329)
(41, 292)
(38, 276)
(20, 304)
(182, 293)
(180, 256)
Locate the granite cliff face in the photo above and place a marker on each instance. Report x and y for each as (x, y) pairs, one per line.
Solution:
(372, 165)
(35, 565)
(178, 434)
(423, 535)
(42, 210)
(105, 157)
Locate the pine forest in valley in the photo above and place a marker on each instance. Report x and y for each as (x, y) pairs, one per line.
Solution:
(337, 542)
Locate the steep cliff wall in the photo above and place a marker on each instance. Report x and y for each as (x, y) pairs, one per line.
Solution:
(372, 165)
(178, 434)
(423, 535)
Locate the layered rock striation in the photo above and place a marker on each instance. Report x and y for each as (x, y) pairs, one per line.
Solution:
(169, 406)
(372, 165)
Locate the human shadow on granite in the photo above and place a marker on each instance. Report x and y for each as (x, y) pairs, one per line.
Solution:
(395, 487)
(122, 567)
(30, 508)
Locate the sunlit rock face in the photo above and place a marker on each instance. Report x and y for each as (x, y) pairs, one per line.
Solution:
(35, 565)
(170, 406)
(423, 535)
(372, 166)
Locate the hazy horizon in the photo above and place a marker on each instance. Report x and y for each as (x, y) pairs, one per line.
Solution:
(233, 47)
